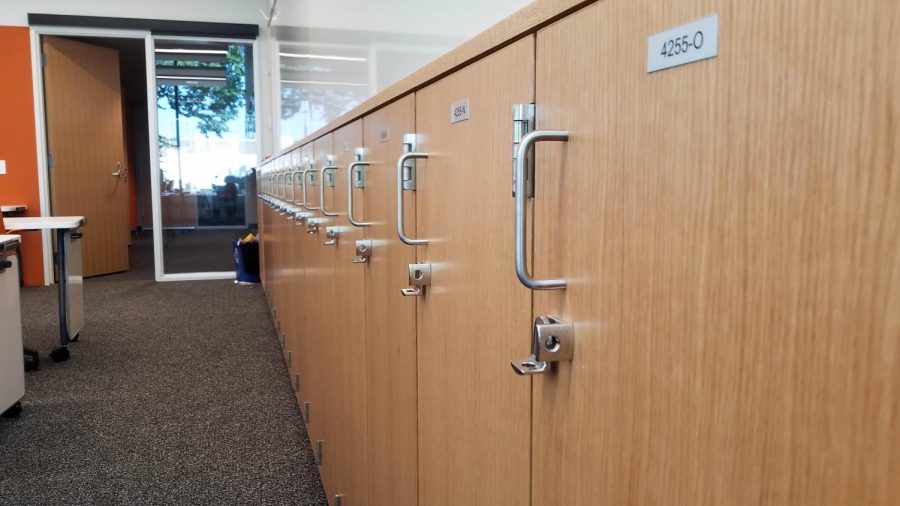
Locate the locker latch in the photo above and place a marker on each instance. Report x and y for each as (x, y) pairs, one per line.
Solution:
(419, 278)
(363, 251)
(523, 122)
(552, 340)
(331, 234)
(312, 226)
(409, 168)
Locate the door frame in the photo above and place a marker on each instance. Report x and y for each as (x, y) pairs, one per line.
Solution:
(40, 123)
(37, 78)
(155, 183)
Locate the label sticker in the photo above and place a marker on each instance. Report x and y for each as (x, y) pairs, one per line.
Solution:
(459, 111)
(385, 135)
(685, 44)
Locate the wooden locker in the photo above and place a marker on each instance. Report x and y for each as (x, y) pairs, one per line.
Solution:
(474, 423)
(390, 318)
(730, 233)
(294, 263)
(347, 447)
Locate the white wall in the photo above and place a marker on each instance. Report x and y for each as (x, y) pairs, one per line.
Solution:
(15, 12)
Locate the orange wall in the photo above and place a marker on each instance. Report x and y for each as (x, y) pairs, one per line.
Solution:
(17, 141)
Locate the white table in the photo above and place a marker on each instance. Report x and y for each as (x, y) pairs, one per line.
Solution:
(12, 372)
(69, 272)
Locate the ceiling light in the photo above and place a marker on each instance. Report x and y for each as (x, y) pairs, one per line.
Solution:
(192, 51)
(321, 57)
(328, 83)
(191, 78)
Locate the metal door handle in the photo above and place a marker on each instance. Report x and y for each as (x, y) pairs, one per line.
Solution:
(328, 166)
(400, 232)
(310, 168)
(521, 196)
(553, 340)
(351, 175)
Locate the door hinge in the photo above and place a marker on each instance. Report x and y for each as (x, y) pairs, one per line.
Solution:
(49, 160)
(319, 449)
(305, 412)
(43, 60)
(339, 500)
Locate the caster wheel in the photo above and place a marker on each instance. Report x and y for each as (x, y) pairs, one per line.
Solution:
(32, 360)
(60, 354)
(14, 411)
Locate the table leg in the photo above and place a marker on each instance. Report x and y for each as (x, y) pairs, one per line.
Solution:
(62, 353)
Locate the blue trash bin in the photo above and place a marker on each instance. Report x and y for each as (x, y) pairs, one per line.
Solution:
(246, 261)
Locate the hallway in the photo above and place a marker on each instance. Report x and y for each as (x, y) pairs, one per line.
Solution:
(179, 392)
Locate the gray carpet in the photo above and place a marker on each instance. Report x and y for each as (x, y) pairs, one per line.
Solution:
(176, 393)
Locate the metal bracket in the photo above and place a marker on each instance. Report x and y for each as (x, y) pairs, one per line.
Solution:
(419, 278)
(552, 340)
(329, 172)
(332, 236)
(359, 172)
(409, 168)
(523, 122)
(339, 500)
(320, 447)
(363, 251)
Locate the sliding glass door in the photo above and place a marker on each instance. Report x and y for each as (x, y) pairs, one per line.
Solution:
(207, 152)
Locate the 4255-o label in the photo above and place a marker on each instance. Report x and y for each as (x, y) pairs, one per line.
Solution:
(684, 44)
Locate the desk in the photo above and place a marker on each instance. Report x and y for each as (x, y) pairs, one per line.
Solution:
(13, 209)
(16, 210)
(12, 372)
(68, 271)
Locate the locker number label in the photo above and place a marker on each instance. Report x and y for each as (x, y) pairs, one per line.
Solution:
(685, 44)
(459, 111)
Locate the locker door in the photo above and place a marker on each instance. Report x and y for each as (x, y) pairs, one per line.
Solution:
(390, 318)
(474, 420)
(730, 233)
(347, 448)
(323, 341)
(295, 266)
(310, 340)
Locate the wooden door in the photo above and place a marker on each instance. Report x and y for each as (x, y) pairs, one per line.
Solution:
(474, 423)
(390, 318)
(347, 362)
(730, 230)
(85, 138)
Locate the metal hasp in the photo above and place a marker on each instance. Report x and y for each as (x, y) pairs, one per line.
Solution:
(553, 340)
(409, 166)
(519, 180)
(319, 449)
(326, 176)
(363, 251)
(402, 171)
(523, 123)
(356, 178)
(331, 236)
(419, 278)
(312, 226)
(302, 217)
